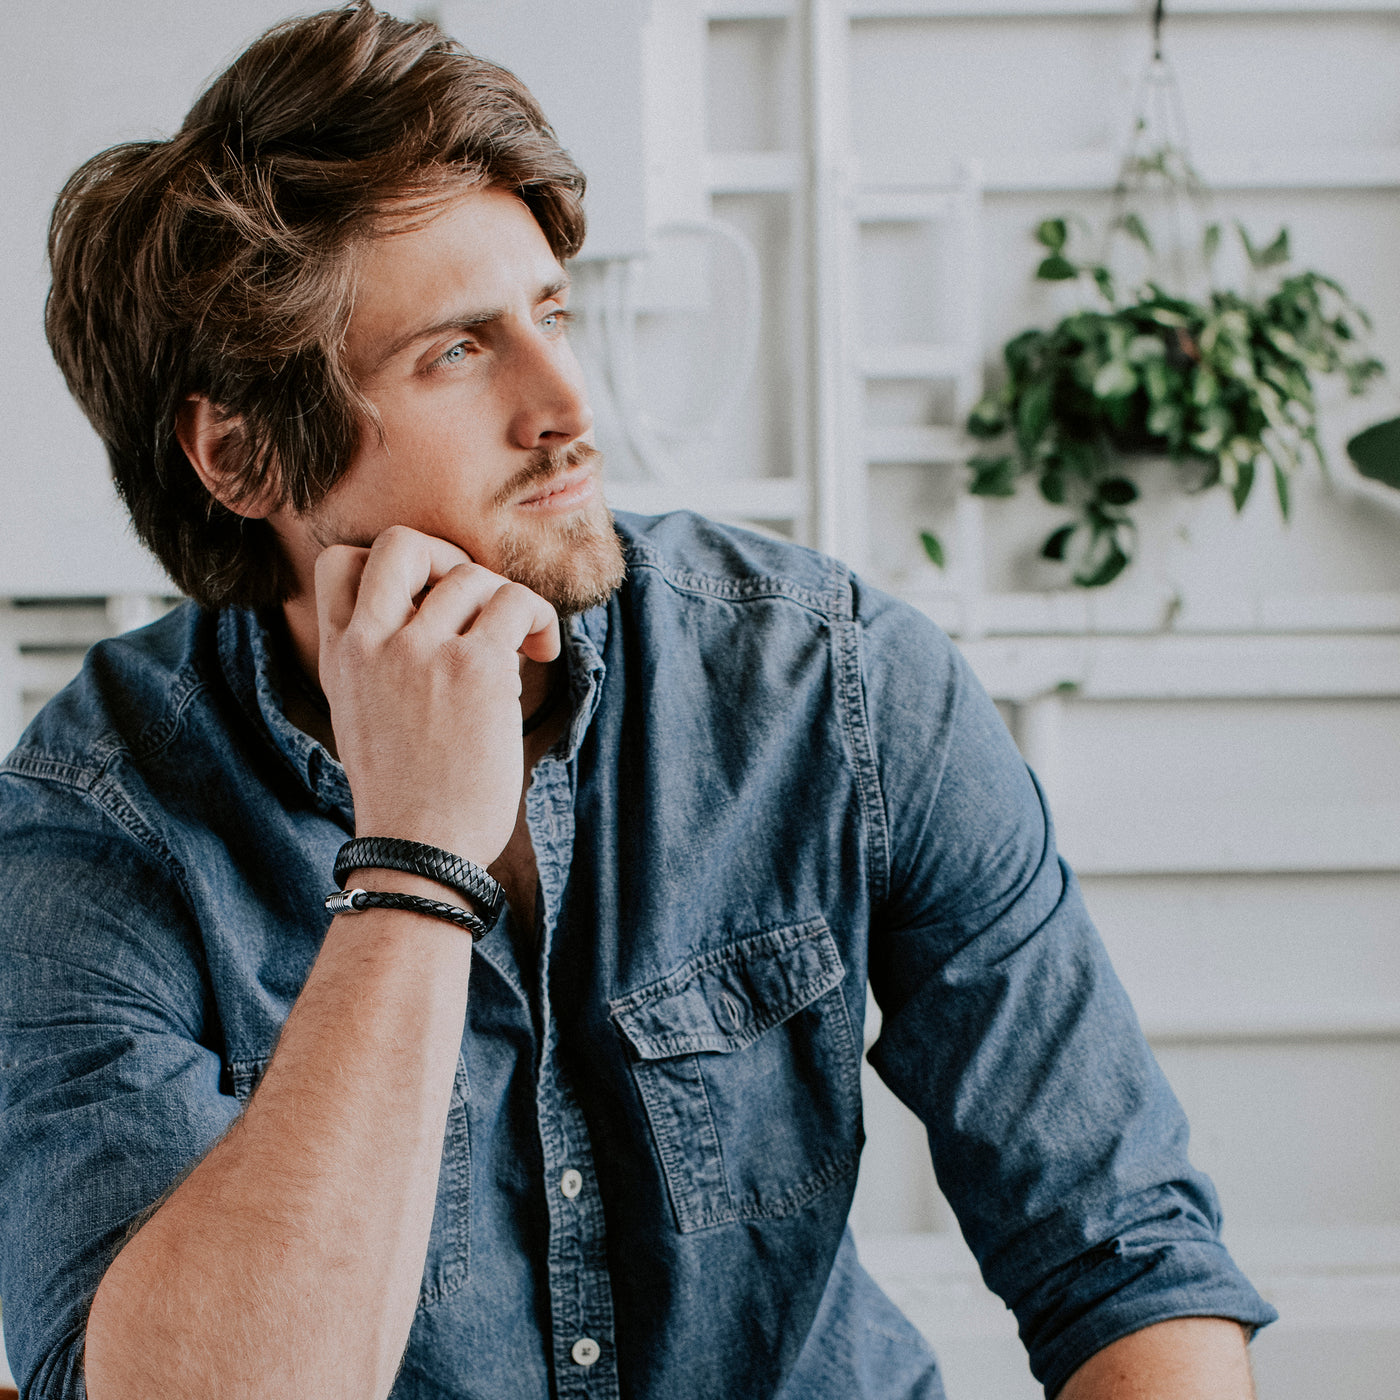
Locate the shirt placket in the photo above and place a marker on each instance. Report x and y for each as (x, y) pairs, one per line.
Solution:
(581, 1312)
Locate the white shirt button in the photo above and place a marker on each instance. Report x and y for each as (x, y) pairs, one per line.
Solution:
(571, 1183)
(586, 1351)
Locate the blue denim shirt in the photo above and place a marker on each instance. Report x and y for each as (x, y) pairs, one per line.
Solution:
(777, 783)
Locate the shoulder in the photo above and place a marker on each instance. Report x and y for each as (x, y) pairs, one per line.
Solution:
(683, 556)
(687, 554)
(128, 698)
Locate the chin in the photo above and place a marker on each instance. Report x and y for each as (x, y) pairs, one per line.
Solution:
(574, 564)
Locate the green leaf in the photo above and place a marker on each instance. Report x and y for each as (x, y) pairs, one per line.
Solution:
(1113, 564)
(1277, 252)
(1376, 452)
(1281, 486)
(1052, 234)
(1244, 483)
(987, 419)
(1115, 380)
(1143, 348)
(1033, 415)
(932, 547)
(993, 476)
(1270, 256)
(1082, 458)
(1055, 545)
(1117, 491)
(1103, 279)
(1052, 485)
(1210, 242)
(1056, 268)
(1133, 226)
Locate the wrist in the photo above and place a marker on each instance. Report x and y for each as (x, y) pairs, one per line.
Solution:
(485, 900)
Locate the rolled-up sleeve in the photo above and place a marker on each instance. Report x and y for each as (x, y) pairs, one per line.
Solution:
(1054, 1134)
(109, 1078)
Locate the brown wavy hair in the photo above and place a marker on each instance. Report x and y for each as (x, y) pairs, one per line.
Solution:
(220, 263)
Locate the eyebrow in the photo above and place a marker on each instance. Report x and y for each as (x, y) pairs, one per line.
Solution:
(463, 322)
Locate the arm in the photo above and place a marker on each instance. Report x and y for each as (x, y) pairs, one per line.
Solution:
(1188, 1358)
(288, 1262)
(1054, 1134)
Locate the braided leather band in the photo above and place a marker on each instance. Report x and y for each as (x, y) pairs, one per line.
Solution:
(356, 901)
(413, 858)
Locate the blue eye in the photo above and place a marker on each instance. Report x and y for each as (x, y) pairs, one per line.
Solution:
(452, 356)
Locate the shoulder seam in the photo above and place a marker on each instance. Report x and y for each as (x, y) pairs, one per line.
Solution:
(865, 766)
(96, 786)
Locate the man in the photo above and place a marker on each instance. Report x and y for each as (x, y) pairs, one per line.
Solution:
(257, 1148)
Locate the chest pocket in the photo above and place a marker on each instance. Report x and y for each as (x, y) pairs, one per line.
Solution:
(750, 1073)
(445, 1270)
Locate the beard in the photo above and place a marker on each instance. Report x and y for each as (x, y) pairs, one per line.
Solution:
(574, 564)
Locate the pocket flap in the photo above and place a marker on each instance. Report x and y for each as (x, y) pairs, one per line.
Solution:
(725, 999)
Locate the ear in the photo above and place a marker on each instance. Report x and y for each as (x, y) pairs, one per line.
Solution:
(206, 433)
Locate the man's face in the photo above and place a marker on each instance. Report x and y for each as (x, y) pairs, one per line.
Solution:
(458, 339)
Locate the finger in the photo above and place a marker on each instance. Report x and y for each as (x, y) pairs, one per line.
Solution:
(401, 564)
(451, 606)
(515, 617)
(337, 575)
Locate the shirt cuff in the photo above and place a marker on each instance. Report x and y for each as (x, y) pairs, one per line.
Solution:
(1125, 1290)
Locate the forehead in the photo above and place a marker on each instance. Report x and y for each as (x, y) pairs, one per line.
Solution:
(479, 250)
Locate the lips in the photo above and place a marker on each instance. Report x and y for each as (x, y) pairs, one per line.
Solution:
(562, 492)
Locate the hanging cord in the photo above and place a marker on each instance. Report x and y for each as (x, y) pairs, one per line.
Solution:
(1158, 151)
(647, 434)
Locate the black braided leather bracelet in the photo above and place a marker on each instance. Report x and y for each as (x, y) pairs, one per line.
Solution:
(356, 901)
(433, 863)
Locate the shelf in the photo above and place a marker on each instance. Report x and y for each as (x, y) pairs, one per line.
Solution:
(908, 206)
(1308, 1022)
(1046, 624)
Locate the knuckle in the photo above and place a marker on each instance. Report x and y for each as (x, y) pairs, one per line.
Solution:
(357, 640)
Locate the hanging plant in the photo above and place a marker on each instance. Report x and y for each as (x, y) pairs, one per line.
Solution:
(1220, 382)
(1223, 386)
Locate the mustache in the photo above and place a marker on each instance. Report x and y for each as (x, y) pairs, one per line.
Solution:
(546, 462)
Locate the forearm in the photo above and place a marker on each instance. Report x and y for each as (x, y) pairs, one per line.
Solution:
(1188, 1358)
(289, 1262)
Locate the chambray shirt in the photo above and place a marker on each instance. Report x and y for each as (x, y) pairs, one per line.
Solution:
(776, 784)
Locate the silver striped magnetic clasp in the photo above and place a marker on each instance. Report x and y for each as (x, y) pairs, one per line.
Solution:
(343, 902)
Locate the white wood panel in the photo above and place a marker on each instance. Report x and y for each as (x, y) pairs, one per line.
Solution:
(1244, 837)
(1163, 666)
(1215, 957)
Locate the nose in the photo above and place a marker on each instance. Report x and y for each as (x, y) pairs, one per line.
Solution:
(552, 401)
